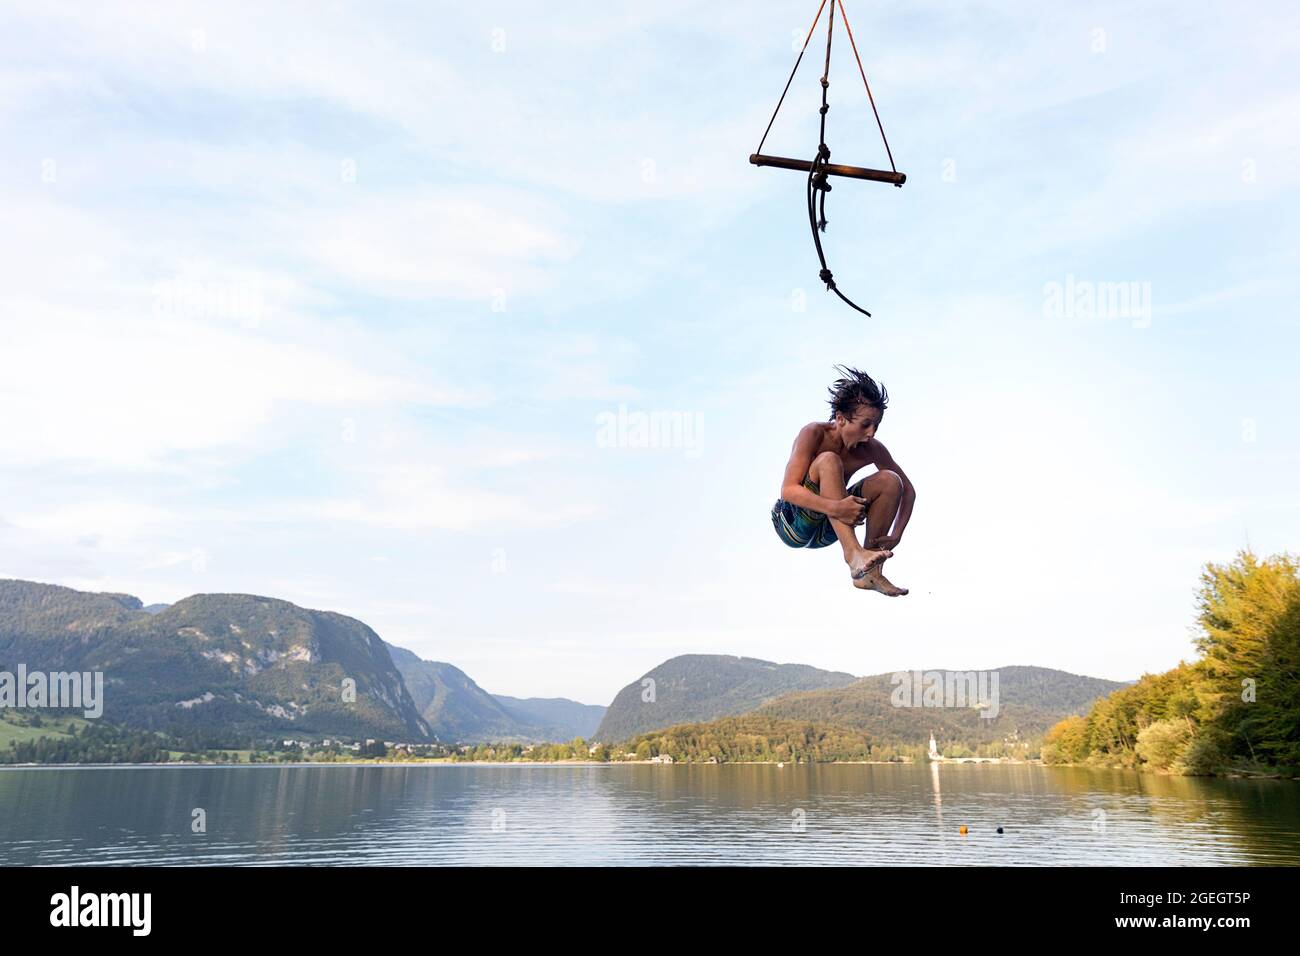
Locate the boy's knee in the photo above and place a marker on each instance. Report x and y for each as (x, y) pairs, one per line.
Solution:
(827, 463)
(891, 480)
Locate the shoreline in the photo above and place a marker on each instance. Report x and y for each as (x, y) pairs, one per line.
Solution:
(477, 763)
(499, 763)
(442, 762)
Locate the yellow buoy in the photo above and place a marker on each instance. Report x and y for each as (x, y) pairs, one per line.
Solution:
(963, 831)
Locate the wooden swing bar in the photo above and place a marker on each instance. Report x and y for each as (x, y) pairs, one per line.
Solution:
(894, 178)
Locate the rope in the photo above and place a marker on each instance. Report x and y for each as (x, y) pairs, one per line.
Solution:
(816, 20)
(818, 181)
(880, 126)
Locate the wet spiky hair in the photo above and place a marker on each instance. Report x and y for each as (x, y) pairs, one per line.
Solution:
(854, 389)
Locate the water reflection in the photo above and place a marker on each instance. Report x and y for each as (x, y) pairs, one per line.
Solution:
(755, 814)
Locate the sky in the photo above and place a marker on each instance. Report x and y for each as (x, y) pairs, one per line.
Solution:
(363, 305)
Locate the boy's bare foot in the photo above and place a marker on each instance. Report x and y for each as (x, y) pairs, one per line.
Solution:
(875, 581)
(864, 562)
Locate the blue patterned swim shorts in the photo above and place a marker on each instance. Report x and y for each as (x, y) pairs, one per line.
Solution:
(801, 528)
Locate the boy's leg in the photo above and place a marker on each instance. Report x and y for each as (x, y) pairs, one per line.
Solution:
(828, 471)
(884, 491)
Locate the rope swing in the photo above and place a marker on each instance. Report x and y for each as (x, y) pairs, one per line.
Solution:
(821, 168)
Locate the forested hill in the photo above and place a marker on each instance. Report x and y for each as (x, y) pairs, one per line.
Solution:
(701, 687)
(1029, 701)
(888, 717)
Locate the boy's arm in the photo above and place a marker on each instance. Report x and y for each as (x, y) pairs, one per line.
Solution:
(883, 460)
(850, 510)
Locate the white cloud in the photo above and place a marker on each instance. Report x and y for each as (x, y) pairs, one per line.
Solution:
(426, 245)
(129, 393)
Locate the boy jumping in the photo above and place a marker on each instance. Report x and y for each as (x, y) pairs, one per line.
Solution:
(817, 505)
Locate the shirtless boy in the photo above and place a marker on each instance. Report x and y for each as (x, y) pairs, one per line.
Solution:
(818, 506)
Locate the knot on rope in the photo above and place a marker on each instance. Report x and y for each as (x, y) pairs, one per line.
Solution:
(825, 276)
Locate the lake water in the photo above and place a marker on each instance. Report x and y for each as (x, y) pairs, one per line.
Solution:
(640, 815)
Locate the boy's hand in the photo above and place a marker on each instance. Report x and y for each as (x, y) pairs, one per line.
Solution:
(851, 510)
(886, 542)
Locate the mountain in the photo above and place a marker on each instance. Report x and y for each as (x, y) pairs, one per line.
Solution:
(1030, 700)
(702, 687)
(557, 719)
(457, 710)
(702, 690)
(231, 664)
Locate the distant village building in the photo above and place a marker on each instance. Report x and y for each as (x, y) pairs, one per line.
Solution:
(662, 758)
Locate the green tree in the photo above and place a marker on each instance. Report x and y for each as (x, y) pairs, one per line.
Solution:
(1161, 744)
(1239, 702)
(1067, 742)
(1250, 636)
